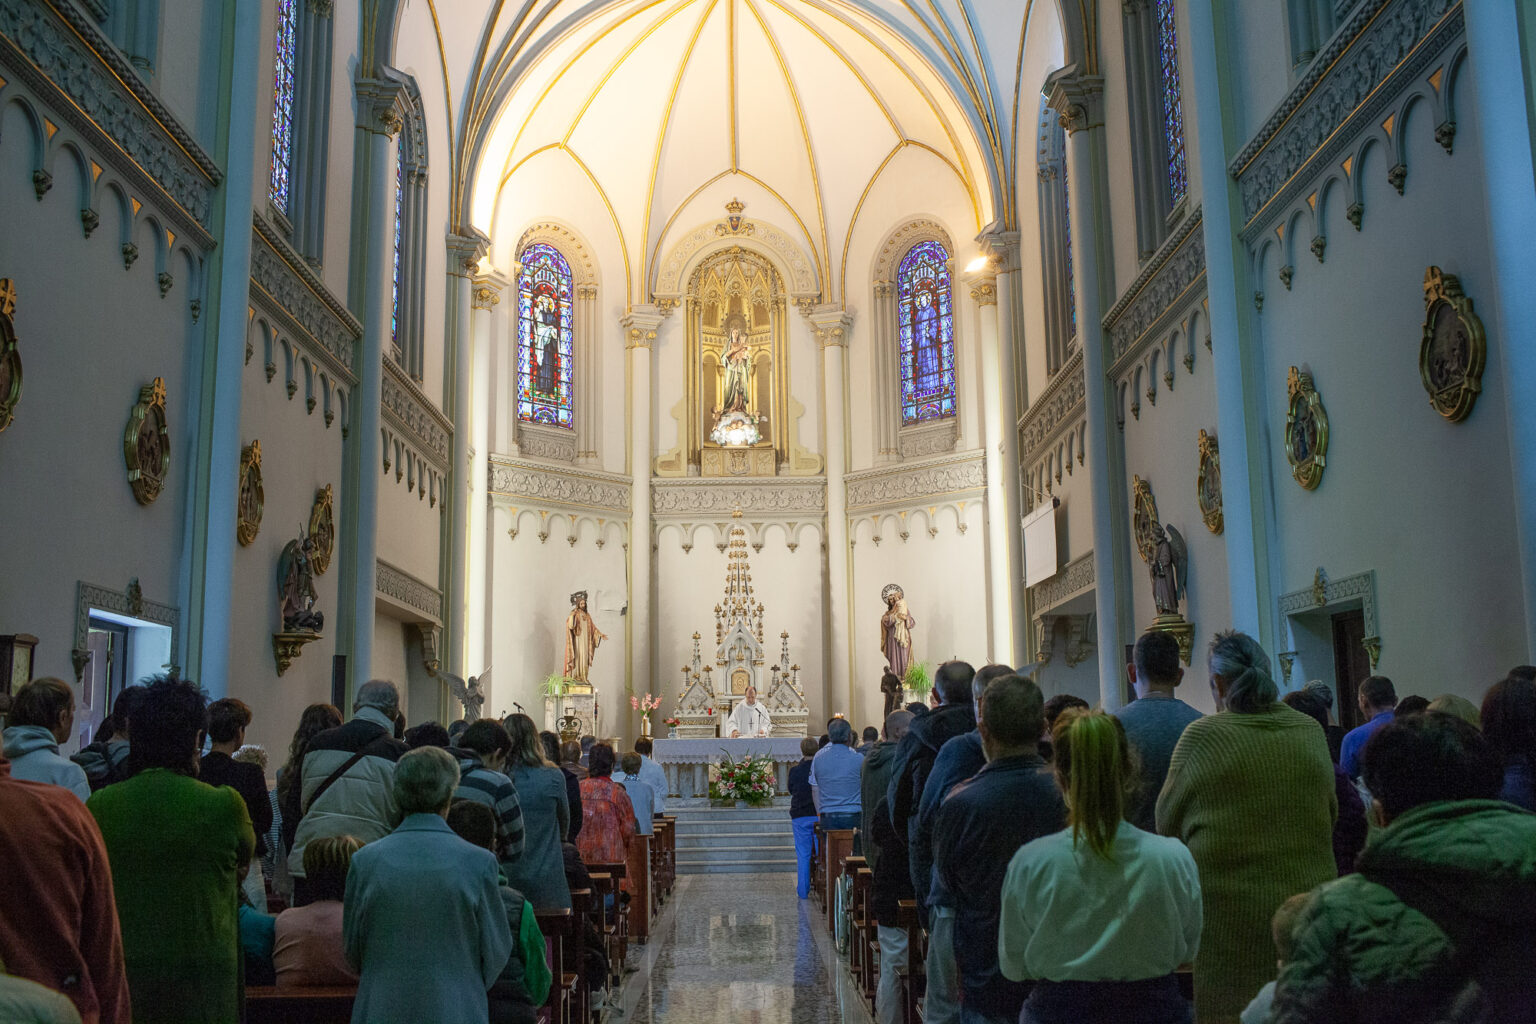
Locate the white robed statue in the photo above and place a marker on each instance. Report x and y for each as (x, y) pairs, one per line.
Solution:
(749, 718)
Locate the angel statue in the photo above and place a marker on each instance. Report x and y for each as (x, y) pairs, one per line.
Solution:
(1169, 566)
(470, 693)
(296, 587)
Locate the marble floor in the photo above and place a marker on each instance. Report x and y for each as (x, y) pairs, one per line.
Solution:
(739, 949)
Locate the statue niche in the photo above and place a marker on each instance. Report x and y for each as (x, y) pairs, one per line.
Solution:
(736, 325)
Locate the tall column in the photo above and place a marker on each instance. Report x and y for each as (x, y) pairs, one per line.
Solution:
(640, 327)
(1506, 126)
(588, 382)
(206, 587)
(832, 325)
(983, 287)
(373, 181)
(486, 335)
(464, 252)
(887, 373)
(1003, 248)
(1236, 362)
(1079, 99)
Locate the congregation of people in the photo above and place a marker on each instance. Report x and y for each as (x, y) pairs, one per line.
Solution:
(146, 880)
(1158, 865)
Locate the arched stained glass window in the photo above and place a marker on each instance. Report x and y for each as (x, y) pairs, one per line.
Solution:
(1173, 102)
(394, 316)
(283, 88)
(544, 337)
(923, 297)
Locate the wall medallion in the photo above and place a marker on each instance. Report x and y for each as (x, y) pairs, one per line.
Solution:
(1208, 483)
(1306, 430)
(147, 444)
(322, 531)
(1144, 522)
(10, 359)
(1454, 348)
(249, 506)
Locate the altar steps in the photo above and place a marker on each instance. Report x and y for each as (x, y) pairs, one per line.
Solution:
(712, 840)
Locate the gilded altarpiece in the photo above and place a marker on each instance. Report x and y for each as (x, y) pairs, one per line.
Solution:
(737, 388)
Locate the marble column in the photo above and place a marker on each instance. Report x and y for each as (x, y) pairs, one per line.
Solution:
(887, 406)
(487, 334)
(1236, 357)
(379, 121)
(206, 587)
(832, 325)
(1506, 123)
(640, 328)
(589, 365)
(983, 287)
(464, 253)
(1079, 99)
(1003, 249)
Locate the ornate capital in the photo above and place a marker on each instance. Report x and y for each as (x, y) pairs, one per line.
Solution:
(1078, 98)
(378, 106)
(465, 253)
(486, 291)
(640, 325)
(322, 8)
(1001, 249)
(985, 293)
(831, 324)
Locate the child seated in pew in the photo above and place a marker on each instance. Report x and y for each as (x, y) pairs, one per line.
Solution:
(524, 983)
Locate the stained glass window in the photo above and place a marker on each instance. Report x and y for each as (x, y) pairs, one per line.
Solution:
(1173, 102)
(282, 101)
(544, 337)
(927, 334)
(394, 316)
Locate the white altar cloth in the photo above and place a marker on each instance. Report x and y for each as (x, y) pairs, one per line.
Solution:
(686, 761)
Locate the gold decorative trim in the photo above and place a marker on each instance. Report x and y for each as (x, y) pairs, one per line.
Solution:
(10, 358)
(147, 444)
(1453, 349)
(1143, 518)
(248, 508)
(1208, 483)
(1306, 430)
(322, 530)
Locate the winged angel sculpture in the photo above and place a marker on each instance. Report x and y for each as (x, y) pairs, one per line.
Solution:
(470, 693)
(1170, 568)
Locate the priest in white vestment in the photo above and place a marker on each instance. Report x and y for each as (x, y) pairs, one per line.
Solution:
(749, 718)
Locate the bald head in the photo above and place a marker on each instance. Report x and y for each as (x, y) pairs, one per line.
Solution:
(896, 725)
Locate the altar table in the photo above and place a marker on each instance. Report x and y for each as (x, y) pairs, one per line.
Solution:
(686, 761)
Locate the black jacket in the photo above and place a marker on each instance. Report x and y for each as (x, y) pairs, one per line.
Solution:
(801, 803)
(892, 881)
(219, 769)
(979, 827)
(915, 755)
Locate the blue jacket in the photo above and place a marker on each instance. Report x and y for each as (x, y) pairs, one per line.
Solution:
(424, 926)
(960, 758)
(980, 825)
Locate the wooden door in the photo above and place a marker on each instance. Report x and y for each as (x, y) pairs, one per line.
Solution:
(1351, 664)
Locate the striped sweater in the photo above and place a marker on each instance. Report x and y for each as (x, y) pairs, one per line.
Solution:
(1252, 797)
(496, 791)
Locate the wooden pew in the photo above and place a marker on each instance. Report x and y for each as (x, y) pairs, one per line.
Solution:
(639, 868)
(582, 901)
(668, 853)
(555, 924)
(819, 864)
(266, 1004)
(613, 921)
(839, 848)
(864, 943)
(661, 827)
(912, 978)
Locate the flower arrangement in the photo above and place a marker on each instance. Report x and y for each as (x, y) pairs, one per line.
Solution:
(671, 723)
(917, 679)
(645, 705)
(749, 780)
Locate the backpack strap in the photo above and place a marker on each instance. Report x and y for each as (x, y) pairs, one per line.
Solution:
(346, 766)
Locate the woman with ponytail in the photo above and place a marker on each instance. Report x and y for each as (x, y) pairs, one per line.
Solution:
(1250, 792)
(1100, 914)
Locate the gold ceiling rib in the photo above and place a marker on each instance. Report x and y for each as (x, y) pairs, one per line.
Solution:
(730, 28)
(619, 62)
(853, 69)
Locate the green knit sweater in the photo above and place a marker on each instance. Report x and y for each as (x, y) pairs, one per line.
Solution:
(1252, 797)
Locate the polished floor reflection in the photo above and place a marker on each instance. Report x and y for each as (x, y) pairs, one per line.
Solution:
(740, 949)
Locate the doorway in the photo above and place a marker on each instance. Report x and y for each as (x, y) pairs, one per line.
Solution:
(1351, 663)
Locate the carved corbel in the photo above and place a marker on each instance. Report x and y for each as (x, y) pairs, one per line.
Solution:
(1080, 639)
(1045, 629)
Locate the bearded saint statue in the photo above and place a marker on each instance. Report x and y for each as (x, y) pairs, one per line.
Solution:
(581, 639)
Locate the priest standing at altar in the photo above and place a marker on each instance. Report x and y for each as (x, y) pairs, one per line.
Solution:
(749, 718)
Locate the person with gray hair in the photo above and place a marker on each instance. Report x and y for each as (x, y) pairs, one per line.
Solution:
(346, 780)
(423, 921)
(1250, 791)
(1335, 732)
(835, 778)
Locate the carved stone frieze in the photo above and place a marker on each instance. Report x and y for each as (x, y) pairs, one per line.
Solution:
(1075, 578)
(1169, 278)
(541, 485)
(59, 48)
(919, 484)
(284, 285)
(937, 438)
(401, 586)
(1340, 95)
(129, 601)
(404, 404)
(770, 496)
(1324, 594)
(576, 252)
(1057, 408)
(802, 271)
(553, 443)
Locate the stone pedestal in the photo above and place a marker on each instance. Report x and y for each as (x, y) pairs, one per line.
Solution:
(582, 705)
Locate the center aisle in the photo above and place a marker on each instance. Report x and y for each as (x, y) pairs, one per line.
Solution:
(740, 949)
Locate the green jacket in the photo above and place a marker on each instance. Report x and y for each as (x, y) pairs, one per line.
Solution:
(1468, 941)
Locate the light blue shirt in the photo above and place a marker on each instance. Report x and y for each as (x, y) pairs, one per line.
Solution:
(1355, 739)
(653, 775)
(1071, 915)
(641, 797)
(835, 772)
